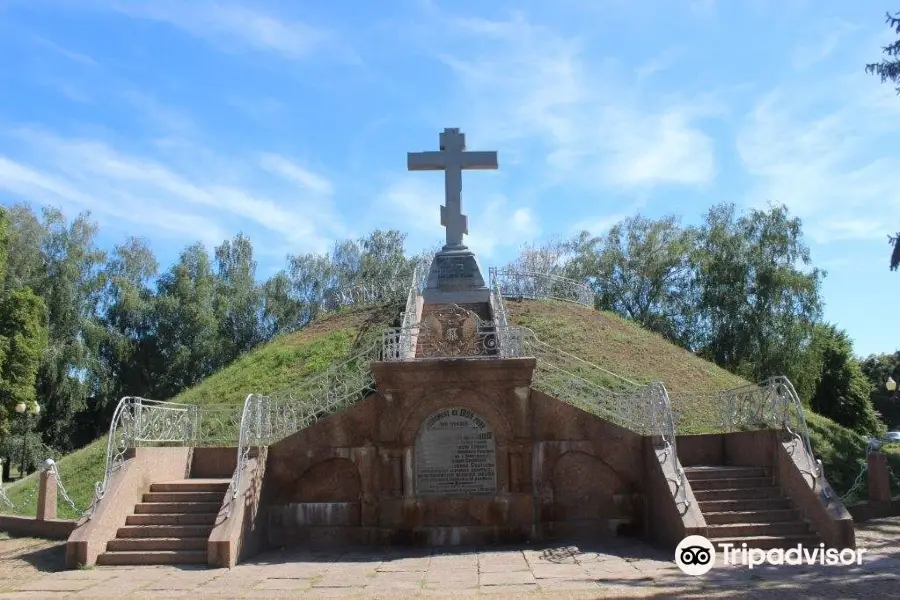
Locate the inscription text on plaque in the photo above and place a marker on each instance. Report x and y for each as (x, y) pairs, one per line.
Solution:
(455, 455)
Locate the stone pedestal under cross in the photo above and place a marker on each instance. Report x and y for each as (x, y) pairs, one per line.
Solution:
(455, 276)
(452, 159)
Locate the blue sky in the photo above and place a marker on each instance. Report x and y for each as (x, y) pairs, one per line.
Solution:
(290, 121)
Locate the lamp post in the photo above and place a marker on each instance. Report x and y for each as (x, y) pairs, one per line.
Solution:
(23, 410)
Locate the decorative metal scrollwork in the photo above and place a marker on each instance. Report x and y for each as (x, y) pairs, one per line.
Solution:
(513, 283)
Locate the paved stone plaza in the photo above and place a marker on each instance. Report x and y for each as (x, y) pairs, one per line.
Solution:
(34, 569)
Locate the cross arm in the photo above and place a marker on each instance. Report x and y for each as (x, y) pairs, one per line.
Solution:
(479, 160)
(425, 161)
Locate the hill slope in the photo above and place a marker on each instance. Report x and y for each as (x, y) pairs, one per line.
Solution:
(280, 364)
(621, 346)
(597, 337)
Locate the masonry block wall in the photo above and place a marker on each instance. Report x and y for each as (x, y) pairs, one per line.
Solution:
(377, 472)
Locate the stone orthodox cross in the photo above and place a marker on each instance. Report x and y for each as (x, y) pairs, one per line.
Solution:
(452, 159)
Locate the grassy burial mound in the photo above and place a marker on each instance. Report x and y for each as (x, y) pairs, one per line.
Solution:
(284, 363)
(621, 346)
(601, 338)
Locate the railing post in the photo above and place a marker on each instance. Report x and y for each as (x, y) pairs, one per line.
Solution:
(879, 480)
(46, 503)
(138, 421)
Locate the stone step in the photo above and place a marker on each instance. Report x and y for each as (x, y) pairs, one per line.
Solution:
(158, 557)
(767, 542)
(751, 516)
(754, 504)
(164, 531)
(171, 519)
(191, 485)
(785, 529)
(732, 483)
(143, 508)
(717, 472)
(153, 544)
(184, 497)
(757, 493)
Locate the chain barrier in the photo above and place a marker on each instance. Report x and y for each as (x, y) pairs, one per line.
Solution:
(896, 482)
(857, 484)
(51, 466)
(873, 446)
(3, 495)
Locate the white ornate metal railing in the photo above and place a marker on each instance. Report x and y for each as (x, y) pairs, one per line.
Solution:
(662, 427)
(445, 337)
(143, 422)
(774, 403)
(364, 293)
(644, 409)
(540, 286)
(407, 340)
(266, 419)
(498, 308)
(3, 497)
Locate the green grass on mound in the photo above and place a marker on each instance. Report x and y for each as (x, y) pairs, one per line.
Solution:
(601, 338)
(282, 364)
(78, 471)
(621, 346)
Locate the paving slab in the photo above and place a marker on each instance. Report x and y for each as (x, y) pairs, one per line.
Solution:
(619, 568)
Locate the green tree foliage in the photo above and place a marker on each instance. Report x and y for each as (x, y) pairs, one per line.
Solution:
(187, 332)
(23, 336)
(642, 269)
(877, 368)
(758, 306)
(889, 70)
(281, 311)
(738, 289)
(238, 299)
(129, 363)
(553, 258)
(842, 390)
(318, 280)
(61, 263)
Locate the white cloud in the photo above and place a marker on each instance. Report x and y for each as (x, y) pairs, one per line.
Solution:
(827, 36)
(279, 165)
(827, 151)
(43, 188)
(167, 118)
(599, 225)
(524, 223)
(78, 57)
(228, 24)
(413, 206)
(527, 85)
(144, 191)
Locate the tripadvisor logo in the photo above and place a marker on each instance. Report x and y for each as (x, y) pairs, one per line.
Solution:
(797, 555)
(696, 555)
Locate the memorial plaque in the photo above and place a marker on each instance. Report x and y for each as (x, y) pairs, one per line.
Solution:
(455, 455)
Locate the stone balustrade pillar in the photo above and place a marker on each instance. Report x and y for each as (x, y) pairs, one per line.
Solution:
(46, 504)
(879, 480)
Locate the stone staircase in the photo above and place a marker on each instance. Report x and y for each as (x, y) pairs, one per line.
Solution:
(171, 525)
(746, 505)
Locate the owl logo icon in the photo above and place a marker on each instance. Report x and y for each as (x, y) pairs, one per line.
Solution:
(695, 555)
